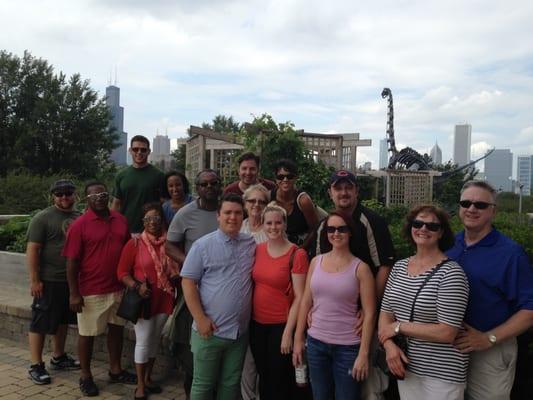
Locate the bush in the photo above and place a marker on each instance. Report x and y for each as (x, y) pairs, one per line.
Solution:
(13, 234)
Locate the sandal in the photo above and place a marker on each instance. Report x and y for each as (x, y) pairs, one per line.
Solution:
(123, 377)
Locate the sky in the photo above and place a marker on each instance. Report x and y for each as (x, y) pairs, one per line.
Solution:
(320, 64)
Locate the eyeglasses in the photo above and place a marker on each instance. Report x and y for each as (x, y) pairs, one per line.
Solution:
(480, 205)
(142, 150)
(340, 229)
(98, 196)
(152, 218)
(206, 184)
(282, 177)
(63, 194)
(256, 201)
(431, 226)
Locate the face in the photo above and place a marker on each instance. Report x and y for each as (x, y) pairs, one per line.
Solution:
(273, 225)
(475, 219)
(343, 194)
(285, 179)
(426, 234)
(230, 218)
(248, 172)
(139, 153)
(175, 187)
(97, 198)
(337, 231)
(255, 203)
(64, 199)
(208, 187)
(153, 223)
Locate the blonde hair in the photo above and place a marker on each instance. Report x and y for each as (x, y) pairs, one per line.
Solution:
(256, 188)
(273, 207)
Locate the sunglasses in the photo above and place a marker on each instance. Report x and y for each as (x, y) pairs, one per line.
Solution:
(282, 177)
(256, 201)
(206, 184)
(480, 205)
(152, 218)
(431, 226)
(142, 150)
(98, 196)
(63, 194)
(340, 229)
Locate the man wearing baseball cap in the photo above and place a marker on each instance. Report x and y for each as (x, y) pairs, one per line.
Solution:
(371, 242)
(48, 281)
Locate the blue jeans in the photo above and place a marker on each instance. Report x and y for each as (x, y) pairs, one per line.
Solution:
(330, 370)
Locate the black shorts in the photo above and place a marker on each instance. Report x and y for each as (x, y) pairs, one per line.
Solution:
(52, 309)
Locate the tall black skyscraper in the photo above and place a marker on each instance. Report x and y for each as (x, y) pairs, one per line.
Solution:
(113, 102)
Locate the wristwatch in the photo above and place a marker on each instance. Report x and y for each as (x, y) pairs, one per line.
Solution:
(397, 328)
(492, 338)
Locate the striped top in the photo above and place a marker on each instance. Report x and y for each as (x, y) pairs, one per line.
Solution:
(443, 299)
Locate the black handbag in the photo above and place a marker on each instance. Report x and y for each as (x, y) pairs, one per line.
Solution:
(401, 340)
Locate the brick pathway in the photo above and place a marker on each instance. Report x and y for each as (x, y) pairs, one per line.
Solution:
(15, 384)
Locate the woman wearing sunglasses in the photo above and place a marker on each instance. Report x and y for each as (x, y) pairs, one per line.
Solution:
(144, 266)
(301, 213)
(425, 300)
(337, 286)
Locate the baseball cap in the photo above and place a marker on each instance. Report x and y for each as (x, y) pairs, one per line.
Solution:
(340, 175)
(62, 184)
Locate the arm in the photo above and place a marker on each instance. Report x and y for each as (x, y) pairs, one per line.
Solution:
(75, 299)
(308, 210)
(175, 251)
(116, 204)
(368, 302)
(381, 280)
(301, 324)
(298, 286)
(395, 356)
(33, 250)
(205, 326)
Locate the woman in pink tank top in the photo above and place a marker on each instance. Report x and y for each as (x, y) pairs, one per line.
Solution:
(337, 283)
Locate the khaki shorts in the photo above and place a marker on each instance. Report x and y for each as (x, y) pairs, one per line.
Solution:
(98, 311)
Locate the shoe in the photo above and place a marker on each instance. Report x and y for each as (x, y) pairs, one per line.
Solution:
(135, 397)
(123, 377)
(153, 389)
(64, 362)
(39, 374)
(88, 387)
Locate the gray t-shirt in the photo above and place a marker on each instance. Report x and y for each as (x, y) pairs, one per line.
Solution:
(49, 228)
(191, 223)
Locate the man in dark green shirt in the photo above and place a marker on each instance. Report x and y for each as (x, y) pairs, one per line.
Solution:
(137, 185)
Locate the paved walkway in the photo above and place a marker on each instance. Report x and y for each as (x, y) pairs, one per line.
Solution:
(15, 383)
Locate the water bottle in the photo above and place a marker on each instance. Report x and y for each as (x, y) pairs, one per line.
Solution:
(301, 373)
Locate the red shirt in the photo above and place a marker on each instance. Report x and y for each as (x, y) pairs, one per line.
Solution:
(234, 187)
(96, 243)
(273, 296)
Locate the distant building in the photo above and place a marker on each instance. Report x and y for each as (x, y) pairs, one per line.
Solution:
(383, 154)
(499, 168)
(461, 144)
(367, 166)
(524, 173)
(436, 154)
(118, 156)
(160, 155)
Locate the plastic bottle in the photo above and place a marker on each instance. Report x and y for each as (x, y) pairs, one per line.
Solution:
(301, 373)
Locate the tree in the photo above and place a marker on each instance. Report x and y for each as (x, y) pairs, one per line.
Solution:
(179, 157)
(222, 124)
(48, 123)
(448, 192)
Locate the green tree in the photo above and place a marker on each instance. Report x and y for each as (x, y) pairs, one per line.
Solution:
(179, 157)
(222, 124)
(48, 123)
(447, 190)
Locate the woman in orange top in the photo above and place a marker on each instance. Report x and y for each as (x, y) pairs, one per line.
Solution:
(279, 285)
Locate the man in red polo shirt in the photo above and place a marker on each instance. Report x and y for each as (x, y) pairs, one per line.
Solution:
(92, 248)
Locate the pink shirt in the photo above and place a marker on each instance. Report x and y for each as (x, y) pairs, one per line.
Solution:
(335, 304)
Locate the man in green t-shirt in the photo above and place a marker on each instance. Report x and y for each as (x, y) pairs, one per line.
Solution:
(137, 185)
(48, 282)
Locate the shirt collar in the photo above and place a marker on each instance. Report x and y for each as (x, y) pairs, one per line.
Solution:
(93, 216)
(226, 238)
(489, 240)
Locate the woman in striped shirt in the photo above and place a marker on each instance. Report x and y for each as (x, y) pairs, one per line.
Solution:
(431, 368)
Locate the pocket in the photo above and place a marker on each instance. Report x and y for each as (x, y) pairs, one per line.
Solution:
(41, 304)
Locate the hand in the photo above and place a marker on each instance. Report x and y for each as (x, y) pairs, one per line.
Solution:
(386, 331)
(75, 302)
(360, 368)
(205, 327)
(297, 351)
(470, 339)
(286, 343)
(395, 359)
(360, 318)
(144, 290)
(36, 289)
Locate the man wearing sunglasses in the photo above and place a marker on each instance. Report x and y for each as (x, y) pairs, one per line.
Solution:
(248, 175)
(137, 184)
(501, 295)
(48, 282)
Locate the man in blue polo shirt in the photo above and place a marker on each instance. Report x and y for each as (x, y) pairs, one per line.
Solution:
(501, 295)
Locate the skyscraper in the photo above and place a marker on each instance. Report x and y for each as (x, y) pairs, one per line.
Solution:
(117, 112)
(524, 173)
(499, 168)
(383, 154)
(436, 154)
(461, 144)
(160, 155)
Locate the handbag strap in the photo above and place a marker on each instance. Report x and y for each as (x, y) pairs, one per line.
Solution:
(428, 277)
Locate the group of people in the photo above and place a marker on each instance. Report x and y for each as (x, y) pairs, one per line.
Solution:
(259, 284)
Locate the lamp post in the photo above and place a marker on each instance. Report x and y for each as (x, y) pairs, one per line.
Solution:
(520, 186)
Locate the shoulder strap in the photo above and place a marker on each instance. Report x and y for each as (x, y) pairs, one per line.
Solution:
(428, 277)
(298, 199)
(291, 258)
